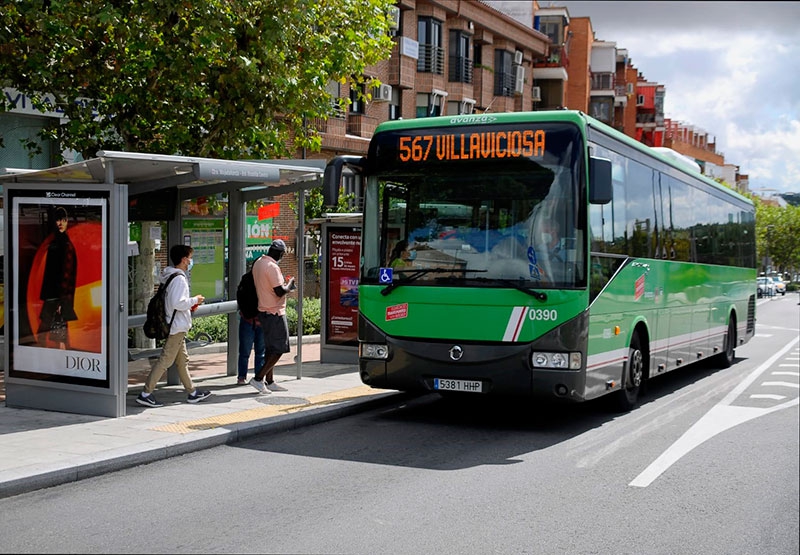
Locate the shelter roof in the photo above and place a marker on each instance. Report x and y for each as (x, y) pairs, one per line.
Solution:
(151, 172)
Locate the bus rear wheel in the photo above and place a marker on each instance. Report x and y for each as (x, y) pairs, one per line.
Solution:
(726, 357)
(633, 377)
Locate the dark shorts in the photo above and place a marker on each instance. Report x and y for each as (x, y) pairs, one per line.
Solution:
(276, 333)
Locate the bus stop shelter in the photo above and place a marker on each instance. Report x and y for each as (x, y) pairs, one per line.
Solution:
(90, 376)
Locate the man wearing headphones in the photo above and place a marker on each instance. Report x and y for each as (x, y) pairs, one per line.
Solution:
(272, 289)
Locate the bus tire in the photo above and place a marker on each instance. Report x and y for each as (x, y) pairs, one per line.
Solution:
(633, 377)
(728, 355)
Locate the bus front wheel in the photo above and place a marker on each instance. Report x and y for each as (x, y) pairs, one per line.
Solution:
(632, 378)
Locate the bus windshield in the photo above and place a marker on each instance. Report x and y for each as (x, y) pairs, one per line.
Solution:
(461, 219)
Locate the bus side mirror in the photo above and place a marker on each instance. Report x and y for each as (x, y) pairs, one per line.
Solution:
(600, 190)
(332, 178)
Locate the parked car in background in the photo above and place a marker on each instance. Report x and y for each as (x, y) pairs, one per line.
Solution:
(780, 286)
(766, 287)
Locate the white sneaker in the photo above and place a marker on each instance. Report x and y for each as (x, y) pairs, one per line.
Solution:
(275, 387)
(259, 386)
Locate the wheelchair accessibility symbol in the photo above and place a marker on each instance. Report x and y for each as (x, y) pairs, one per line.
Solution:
(385, 275)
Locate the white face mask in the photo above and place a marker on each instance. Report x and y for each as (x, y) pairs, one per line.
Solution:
(412, 255)
(191, 263)
(547, 238)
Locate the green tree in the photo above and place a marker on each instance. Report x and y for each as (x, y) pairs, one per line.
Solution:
(777, 230)
(217, 78)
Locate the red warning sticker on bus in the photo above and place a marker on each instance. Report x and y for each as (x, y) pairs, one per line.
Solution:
(639, 290)
(397, 311)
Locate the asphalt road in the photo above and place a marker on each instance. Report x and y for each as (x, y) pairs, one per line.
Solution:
(709, 463)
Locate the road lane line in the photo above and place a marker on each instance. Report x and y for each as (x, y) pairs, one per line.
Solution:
(721, 417)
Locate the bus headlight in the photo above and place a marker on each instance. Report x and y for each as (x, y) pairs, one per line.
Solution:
(562, 361)
(373, 350)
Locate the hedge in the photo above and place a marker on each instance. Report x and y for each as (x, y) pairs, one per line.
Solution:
(217, 325)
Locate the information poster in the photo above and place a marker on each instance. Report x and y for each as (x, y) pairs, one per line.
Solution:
(258, 237)
(59, 286)
(343, 256)
(207, 237)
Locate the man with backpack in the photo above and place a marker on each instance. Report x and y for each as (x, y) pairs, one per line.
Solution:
(250, 335)
(272, 289)
(178, 305)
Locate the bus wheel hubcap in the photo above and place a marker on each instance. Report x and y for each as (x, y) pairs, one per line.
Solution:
(636, 368)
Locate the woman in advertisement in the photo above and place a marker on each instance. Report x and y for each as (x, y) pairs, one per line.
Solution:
(58, 287)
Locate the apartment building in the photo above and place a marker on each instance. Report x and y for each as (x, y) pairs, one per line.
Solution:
(450, 57)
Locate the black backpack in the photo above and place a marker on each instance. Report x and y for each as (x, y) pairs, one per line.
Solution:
(156, 325)
(246, 296)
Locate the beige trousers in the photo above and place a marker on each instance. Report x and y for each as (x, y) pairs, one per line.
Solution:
(174, 350)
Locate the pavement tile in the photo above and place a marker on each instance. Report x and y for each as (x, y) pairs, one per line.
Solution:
(41, 449)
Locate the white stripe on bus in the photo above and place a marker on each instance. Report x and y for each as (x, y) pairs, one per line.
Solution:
(515, 321)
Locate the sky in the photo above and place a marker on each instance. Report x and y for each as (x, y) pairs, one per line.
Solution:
(729, 68)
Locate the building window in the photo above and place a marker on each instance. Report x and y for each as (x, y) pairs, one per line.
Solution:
(395, 21)
(602, 109)
(553, 31)
(357, 99)
(431, 52)
(17, 129)
(430, 105)
(395, 111)
(503, 73)
(459, 61)
(460, 107)
(602, 81)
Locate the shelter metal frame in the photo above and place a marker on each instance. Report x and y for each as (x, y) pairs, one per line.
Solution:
(140, 173)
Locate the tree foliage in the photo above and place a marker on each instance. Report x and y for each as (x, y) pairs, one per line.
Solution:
(777, 232)
(217, 78)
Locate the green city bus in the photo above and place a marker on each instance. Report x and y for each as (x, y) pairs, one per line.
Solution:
(547, 255)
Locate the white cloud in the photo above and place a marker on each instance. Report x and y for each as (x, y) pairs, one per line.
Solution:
(728, 68)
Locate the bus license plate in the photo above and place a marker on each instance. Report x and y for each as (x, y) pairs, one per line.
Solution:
(469, 386)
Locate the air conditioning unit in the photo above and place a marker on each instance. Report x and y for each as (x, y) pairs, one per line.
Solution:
(394, 19)
(519, 80)
(518, 57)
(383, 93)
(536, 94)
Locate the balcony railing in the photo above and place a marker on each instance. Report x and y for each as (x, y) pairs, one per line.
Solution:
(431, 59)
(556, 58)
(460, 69)
(503, 84)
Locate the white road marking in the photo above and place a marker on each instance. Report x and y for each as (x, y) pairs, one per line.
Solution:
(783, 384)
(786, 373)
(768, 396)
(721, 417)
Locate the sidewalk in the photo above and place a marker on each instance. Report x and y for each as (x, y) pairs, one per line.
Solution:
(40, 449)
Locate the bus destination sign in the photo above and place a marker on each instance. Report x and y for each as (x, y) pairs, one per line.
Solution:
(483, 145)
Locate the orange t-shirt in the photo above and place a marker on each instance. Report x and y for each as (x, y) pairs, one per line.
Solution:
(267, 275)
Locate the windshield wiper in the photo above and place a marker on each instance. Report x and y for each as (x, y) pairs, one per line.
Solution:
(416, 274)
(516, 284)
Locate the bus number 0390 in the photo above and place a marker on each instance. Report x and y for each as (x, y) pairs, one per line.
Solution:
(542, 314)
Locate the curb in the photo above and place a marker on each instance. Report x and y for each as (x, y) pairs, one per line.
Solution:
(123, 458)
